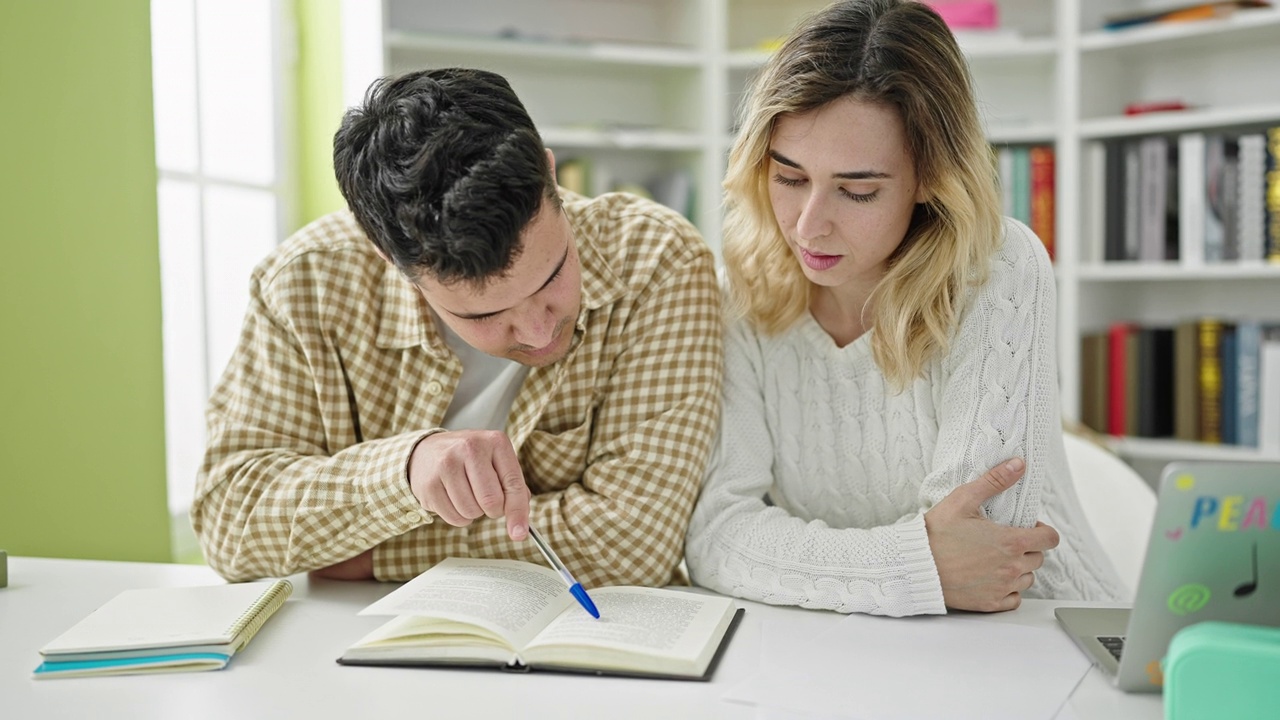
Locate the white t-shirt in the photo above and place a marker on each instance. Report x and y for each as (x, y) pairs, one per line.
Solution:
(486, 389)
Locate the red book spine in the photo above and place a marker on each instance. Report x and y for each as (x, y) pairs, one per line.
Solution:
(1117, 373)
(1042, 185)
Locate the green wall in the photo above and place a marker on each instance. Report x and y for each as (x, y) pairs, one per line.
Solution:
(82, 469)
(319, 105)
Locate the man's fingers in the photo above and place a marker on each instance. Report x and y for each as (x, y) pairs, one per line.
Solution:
(463, 496)
(514, 489)
(438, 502)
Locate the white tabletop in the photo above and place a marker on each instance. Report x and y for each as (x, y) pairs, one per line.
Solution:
(289, 670)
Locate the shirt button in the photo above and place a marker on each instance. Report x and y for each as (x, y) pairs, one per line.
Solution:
(414, 517)
(434, 388)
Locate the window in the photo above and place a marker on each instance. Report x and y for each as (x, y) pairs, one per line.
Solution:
(219, 71)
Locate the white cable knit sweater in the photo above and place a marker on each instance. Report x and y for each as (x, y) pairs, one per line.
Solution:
(849, 467)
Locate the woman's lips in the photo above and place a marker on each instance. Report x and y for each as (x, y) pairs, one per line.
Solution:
(819, 261)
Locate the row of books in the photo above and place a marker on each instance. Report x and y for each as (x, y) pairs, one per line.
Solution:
(673, 188)
(1205, 380)
(1181, 13)
(1026, 186)
(1200, 197)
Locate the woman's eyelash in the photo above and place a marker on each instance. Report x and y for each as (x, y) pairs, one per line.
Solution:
(860, 197)
(796, 182)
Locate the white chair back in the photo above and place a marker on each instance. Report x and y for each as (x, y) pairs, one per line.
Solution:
(1117, 502)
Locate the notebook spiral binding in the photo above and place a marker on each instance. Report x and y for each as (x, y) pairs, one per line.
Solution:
(252, 619)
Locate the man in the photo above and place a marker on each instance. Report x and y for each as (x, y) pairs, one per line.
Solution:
(468, 351)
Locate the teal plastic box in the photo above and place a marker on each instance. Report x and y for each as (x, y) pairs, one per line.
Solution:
(1223, 670)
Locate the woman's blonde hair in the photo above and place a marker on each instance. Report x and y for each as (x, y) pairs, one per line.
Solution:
(901, 54)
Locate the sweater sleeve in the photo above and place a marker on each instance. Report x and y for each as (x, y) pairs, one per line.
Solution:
(996, 388)
(741, 545)
(997, 393)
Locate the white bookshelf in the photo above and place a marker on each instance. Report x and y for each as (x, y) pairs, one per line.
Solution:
(1226, 70)
(640, 87)
(1169, 450)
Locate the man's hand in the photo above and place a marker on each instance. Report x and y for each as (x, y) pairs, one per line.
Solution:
(465, 474)
(359, 567)
(984, 566)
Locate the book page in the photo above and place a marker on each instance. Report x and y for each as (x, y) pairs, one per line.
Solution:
(508, 597)
(640, 621)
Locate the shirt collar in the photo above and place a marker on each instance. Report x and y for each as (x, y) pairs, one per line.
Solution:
(600, 284)
(405, 318)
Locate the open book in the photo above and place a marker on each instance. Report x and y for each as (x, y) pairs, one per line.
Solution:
(169, 629)
(519, 616)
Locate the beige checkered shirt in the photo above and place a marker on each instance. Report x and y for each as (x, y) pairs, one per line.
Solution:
(340, 371)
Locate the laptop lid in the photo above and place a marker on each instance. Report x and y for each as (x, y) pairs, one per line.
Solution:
(1214, 554)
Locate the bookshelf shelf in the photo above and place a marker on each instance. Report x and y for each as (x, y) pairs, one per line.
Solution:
(746, 59)
(1177, 121)
(635, 89)
(1147, 448)
(1246, 22)
(981, 47)
(1022, 134)
(566, 52)
(1157, 272)
(631, 139)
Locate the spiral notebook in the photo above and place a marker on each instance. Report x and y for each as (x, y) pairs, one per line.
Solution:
(173, 629)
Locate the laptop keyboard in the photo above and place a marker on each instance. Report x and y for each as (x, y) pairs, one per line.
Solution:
(1113, 643)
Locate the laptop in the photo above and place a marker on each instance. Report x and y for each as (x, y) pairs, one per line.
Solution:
(1214, 554)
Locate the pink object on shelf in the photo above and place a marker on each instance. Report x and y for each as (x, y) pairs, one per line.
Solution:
(967, 14)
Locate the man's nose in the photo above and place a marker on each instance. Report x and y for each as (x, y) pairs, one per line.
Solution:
(536, 328)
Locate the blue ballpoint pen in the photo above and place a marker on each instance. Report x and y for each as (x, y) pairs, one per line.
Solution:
(575, 588)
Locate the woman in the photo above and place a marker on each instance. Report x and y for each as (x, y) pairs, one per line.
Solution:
(893, 340)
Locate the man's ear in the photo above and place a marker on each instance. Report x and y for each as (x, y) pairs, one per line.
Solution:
(551, 162)
(381, 254)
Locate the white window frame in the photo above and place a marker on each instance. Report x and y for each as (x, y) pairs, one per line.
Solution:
(189, 368)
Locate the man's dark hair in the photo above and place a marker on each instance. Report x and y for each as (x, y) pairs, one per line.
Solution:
(443, 169)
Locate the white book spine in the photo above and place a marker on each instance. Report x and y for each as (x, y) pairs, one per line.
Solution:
(1004, 161)
(1269, 394)
(1154, 158)
(1251, 209)
(1248, 340)
(1132, 199)
(1215, 203)
(1096, 211)
(1191, 198)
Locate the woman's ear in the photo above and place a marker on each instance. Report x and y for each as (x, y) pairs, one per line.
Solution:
(551, 162)
(923, 195)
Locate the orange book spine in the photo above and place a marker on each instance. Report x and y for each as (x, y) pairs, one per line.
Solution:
(1042, 200)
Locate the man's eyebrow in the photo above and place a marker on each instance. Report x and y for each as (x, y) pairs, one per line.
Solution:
(850, 175)
(550, 278)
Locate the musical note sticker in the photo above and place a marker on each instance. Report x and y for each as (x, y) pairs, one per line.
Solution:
(1246, 589)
